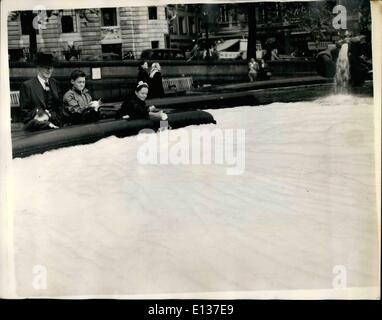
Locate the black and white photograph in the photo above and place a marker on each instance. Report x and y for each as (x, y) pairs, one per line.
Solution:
(190, 150)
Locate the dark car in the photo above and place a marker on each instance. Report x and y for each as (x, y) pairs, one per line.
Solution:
(163, 54)
(105, 57)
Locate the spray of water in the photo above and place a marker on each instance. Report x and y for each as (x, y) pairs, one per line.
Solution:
(342, 70)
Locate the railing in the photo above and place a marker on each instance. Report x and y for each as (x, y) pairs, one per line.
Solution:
(228, 55)
(174, 85)
(15, 98)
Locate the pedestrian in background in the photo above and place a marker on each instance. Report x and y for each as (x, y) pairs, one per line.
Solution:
(275, 54)
(129, 56)
(204, 54)
(143, 74)
(215, 53)
(155, 82)
(253, 68)
(194, 54)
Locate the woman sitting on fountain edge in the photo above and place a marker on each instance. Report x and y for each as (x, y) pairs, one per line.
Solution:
(134, 107)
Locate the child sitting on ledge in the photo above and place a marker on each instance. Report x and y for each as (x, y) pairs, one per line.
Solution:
(78, 104)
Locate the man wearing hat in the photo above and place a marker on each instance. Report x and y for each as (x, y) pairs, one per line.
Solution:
(40, 97)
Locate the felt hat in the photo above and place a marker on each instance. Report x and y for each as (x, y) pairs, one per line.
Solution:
(44, 60)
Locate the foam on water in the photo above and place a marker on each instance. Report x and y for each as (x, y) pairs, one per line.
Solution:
(104, 224)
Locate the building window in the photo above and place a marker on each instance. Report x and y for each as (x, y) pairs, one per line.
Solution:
(68, 21)
(109, 17)
(154, 44)
(153, 13)
(200, 24)
(67, 24)
(182, 25)
(191, 25)
(26, 21)
(235, 16)
(167, 40)
(224, 14)
(173, 27)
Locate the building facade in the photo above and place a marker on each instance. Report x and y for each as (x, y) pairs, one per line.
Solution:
(301, 28)
(90, 34)
(184, 26)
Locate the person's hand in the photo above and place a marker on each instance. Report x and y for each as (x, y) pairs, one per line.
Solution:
(126, 117)
(51, 125)
(163, 116)
(95, 104)
(153, 109)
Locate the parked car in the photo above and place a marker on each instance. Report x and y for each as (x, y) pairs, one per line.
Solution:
(105, 57)
(163, 54)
